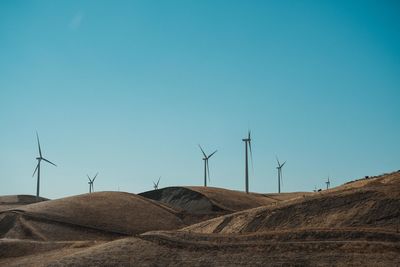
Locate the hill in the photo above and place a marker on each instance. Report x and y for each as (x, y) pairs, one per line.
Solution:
(188, 249)
(356, 224)
(197, 203)
(98, 215)
(206, 200)
(371, 203)
(14, 201)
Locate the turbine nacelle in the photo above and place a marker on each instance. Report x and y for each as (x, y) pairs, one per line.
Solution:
(279, 164)
(248, 139)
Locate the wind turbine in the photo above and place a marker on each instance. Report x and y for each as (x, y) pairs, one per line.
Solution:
(39, 159)
(279, 174)
(91, 187)
(247, 144)
(155, 185)
(206, 167)
(328, 184)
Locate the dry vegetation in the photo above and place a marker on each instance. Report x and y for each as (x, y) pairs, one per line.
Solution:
(103, 215)
(354, 224)
(14, 201)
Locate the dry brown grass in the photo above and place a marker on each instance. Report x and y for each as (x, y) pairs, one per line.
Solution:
(15, 201)
(102, 215)
(351, 225)
(375, 204)
(158, 249)
(197, 204)
(210, 200)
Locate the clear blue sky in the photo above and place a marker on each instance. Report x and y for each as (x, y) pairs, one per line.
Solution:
(129, 88)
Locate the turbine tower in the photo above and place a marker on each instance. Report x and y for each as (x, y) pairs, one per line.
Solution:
(206, 167)
(91, 181)
(155, 185)
(37, 169)
(279, 174)
(247, 146)
(328, 184)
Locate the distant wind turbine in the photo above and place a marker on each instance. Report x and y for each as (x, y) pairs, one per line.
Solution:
(91, 181)
(279, 174)
(247, 144)
(155, 185)
(39, 159)
(206, 167)
(328, 184)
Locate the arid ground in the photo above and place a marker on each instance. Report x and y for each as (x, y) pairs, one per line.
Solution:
(355, 224)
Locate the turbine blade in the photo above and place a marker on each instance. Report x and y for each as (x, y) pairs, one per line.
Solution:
(277, 160)
(49, 161)
(95, 176)
(249, 135)
(283, 164)
(158, 180)
(88, 177)
(40, 151)
(37, 166)
(203, 152)
(212, 153)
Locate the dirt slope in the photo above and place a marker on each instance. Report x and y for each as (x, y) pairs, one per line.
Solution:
(208, 200)
(198, 204)
(352, 225)
(14, 201)
(375, 204)
(177, 249)
(90, 216)
(232, 200)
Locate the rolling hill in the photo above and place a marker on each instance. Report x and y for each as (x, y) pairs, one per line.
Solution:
(355, 224)
(88, 216)
(201, 203)
(14, 201)
(372, 203)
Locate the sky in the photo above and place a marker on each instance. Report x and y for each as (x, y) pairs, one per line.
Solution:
(130, 88)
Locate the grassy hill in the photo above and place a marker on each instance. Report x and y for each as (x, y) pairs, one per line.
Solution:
(89, 216)
(354, 224)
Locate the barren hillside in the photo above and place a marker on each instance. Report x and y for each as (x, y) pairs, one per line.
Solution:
(14, 201)
(177, 249)
(197, 203)
(370, 203)
(356, 224)
(210, 200)
(88, 216)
